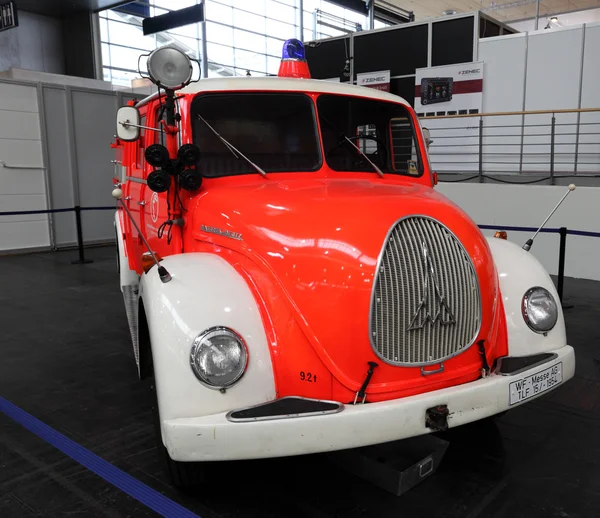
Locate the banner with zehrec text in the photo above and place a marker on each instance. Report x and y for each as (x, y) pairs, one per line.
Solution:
(378, 80)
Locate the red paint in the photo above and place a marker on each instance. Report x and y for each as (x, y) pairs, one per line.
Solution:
(309, 250)
(294, 68)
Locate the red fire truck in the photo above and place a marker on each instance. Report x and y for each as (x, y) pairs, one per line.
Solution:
(293, 281)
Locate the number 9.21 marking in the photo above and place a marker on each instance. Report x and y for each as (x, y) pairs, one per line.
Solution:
(308, 377)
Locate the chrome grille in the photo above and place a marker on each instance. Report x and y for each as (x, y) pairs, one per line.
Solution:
(425, 306)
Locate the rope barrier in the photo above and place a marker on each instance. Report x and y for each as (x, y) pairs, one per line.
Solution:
(51, 211)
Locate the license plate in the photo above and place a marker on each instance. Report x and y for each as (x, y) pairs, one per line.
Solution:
(535, 384)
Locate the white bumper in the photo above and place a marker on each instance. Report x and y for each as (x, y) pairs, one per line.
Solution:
(214, 437)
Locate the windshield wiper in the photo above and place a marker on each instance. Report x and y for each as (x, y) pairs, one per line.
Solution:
(235, 151)
(379, 171)
(343, 135)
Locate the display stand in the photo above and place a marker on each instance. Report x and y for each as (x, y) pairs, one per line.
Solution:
(394, 466)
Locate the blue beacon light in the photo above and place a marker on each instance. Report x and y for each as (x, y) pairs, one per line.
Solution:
(294, 49)
(293, 60)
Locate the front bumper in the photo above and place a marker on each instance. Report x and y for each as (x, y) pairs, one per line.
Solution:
(214, 437)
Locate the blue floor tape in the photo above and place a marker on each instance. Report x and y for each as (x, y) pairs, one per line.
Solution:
(126, 483)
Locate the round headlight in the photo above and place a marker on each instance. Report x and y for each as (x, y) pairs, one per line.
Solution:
(219, 357)
(169, 67)
(539, 310)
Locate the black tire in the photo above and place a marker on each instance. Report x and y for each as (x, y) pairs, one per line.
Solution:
(182, 475)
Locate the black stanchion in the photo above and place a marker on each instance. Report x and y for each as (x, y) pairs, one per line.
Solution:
(562, 249)
(82, 259)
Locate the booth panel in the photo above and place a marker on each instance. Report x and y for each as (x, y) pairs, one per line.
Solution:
(327, 58)
(405, 88)
(401, 50)
(452, 41)
(60, 172)
(94, 127)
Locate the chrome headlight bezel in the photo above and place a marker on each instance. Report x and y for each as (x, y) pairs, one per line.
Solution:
(200, 342)
(526, 310)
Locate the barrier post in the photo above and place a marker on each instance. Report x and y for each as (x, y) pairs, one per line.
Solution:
(561, 261)
(552, 137)
(480, 149)
(82, 259)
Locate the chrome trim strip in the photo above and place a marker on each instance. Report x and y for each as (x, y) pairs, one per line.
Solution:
(533, 365)
(135, 179)
(410, 280)
(284, 416)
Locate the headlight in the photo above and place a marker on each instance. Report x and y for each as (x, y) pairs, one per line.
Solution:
(219, 357)
(539, 310)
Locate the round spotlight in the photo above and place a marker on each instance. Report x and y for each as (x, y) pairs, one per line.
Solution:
(157, 155)
(169, 68)
(158, 181)
(189, 154)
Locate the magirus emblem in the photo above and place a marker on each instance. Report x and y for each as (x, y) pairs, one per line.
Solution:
(435, 310)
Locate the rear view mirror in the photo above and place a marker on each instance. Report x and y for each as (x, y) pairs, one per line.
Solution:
(128, 123)
(427, 137)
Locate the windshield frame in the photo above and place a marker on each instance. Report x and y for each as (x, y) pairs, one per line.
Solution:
(275, 94)
(388, 139)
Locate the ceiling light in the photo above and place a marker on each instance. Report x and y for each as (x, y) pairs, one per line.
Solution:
(449, 12)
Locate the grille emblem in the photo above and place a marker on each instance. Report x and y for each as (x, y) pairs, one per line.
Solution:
(441, 311)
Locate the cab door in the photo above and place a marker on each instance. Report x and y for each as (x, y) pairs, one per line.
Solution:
(158, 207)
(135, 195)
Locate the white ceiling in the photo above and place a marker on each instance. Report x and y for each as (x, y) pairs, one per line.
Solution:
(503, 10)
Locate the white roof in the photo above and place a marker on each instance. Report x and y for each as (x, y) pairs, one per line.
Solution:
(284, 84)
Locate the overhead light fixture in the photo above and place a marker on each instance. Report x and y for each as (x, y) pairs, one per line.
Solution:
(449, 12)
(554, 19)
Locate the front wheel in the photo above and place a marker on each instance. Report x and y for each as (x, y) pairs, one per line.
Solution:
(182, 475)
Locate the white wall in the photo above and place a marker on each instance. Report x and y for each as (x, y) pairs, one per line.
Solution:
(57, 138)
(22, 188)
(541, 70)
(36, 44)
(528, 206)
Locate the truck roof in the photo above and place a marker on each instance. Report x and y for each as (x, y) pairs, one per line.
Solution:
(239, 83)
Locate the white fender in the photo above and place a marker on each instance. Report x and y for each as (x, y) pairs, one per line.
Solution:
(518, 271)
(127, 277)
(205, 291)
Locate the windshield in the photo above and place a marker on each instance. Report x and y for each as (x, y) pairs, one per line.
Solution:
(382, 130)
(277, 131)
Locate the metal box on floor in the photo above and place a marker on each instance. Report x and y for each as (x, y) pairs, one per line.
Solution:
(394, 466)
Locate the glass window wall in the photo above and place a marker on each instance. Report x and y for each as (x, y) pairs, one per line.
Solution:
(243, 36)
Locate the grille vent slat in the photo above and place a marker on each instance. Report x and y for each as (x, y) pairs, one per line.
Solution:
(406, 284)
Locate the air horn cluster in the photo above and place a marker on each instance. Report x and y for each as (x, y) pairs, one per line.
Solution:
(159, 180)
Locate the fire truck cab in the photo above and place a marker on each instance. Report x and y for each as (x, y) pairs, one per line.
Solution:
(293, 281)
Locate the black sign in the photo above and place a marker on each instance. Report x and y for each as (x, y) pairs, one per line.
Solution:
(178, 18)
(8, 16)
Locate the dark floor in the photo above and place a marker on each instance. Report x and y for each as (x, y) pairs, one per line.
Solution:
(66, 359)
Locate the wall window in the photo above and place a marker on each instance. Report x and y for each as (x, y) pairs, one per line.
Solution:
(243, 36)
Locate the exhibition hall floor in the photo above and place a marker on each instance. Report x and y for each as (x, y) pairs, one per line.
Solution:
(66, 360)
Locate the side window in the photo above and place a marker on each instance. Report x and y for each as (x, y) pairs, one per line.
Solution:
(404, 151)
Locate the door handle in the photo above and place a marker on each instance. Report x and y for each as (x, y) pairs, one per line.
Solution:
(142, 203)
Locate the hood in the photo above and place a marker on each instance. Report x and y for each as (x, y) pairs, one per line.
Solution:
(321, 238)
